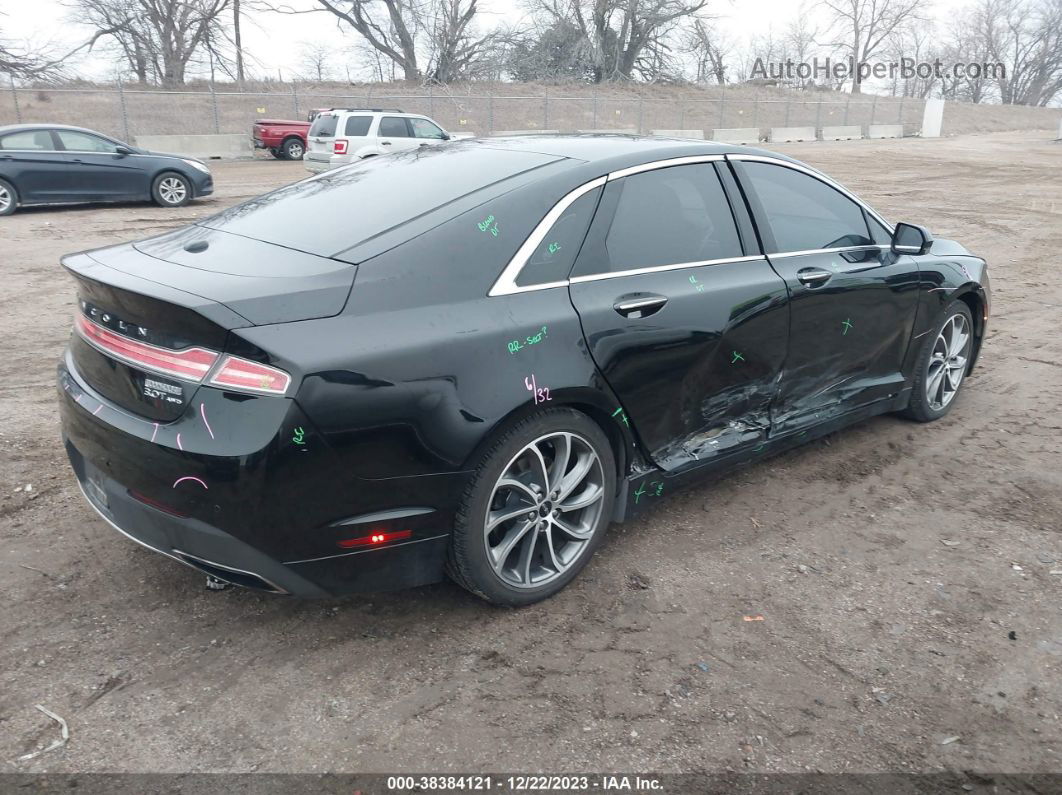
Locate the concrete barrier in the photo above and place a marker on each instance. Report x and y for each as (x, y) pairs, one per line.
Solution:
(620, 131)
(932, 118)
(846, 133)
(498, 133)
(698, 134)
(1059, 138)
(205, 147)
(782, 134)
(885, 131)
(737, 135)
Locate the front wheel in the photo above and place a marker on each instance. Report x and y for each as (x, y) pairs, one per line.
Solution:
(8, 198)
(171, 190)
(535, 510)
(942, 365)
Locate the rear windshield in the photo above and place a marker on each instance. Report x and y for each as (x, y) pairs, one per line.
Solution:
(357, 125)
(339, 209)
(324, 126)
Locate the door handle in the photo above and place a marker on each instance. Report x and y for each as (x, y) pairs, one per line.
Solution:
(639, 305)
(813, 277)
(385, 143)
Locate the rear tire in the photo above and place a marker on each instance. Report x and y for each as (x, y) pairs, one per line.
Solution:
(8, 198)
(940, 370)
(171, 189)
(292, 149)
(530, 521)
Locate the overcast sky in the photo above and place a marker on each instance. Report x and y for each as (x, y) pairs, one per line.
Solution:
(274, 42)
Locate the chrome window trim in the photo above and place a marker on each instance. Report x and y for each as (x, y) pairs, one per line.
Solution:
(775, 161)
(505, 284)
(870, 247)
(593, 277)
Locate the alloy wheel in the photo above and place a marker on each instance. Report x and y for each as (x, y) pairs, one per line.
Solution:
(5, 198)
(295, 151)
(947, 363)
(544, 509)
(172, 190)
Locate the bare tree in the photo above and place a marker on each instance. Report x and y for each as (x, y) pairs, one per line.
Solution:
(863, 26)
(42, 64)
(800, 40)
(158, 37)
(620, 32)
(1026, 38)
(315, 61)
(709, 49)
(238, 41)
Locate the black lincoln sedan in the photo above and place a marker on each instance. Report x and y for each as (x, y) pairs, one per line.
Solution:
(471, 359)
(55, 164)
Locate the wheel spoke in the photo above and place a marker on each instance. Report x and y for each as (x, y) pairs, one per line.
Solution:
(501, 553)
(527, 555)
(582, 467)
(558, 567)
(933, 383)
(562, 453)
(582, 500)
(574, 533)
(520, 486)
(539, 468)
(497, 518)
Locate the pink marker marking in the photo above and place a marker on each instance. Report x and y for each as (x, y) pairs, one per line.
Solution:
(189, 477)
(97, 411)
(202, 412)
(179, 443)
(154, 431)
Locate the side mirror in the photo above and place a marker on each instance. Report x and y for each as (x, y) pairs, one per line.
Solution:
(446, 136)
(123, 150)
(911, 239)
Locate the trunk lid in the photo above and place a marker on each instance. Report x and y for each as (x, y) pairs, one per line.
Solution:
(320, 137)
(127, 300)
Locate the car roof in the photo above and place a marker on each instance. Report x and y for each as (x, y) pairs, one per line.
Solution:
(10, 128)
(613, 151)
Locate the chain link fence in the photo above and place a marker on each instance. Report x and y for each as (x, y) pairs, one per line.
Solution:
(126, 113)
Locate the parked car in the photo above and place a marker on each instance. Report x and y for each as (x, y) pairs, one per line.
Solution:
(285, 139)
(340, 137)
(56, 164)
(544, 335)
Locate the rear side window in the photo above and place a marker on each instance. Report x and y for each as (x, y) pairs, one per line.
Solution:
(324, 126)
(393, 127)
(805, 213)
(670, 216)
(30, 139)
(357, 126)
(553, 259)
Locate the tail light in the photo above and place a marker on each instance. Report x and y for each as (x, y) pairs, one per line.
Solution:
(189, 364)
(378, 537)
(339, 146)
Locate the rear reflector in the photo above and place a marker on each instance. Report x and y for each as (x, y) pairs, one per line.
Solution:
(190, 364)
(339, 146)
(375, 539)
(237, 373)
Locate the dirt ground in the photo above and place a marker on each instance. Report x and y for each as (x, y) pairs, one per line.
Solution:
(909, 576)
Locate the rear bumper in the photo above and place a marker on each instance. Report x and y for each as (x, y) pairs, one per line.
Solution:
(258, 525)
(316, 166)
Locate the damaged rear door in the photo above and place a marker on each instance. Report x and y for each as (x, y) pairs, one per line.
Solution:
(682, 314)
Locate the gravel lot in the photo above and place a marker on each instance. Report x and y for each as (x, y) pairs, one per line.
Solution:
(908, 575)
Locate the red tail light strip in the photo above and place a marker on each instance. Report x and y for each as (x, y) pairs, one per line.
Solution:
(380, 537)
(190, 364)
(339, 146)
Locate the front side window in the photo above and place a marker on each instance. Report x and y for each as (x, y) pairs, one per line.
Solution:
(805, 213)
(393, 127)
(83, 142)
(357, 126)
(40, 140)
(422, 128)
(324, 126)
(553, 259)
(670, 216)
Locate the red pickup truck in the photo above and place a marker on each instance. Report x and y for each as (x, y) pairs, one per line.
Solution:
(285, 139)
